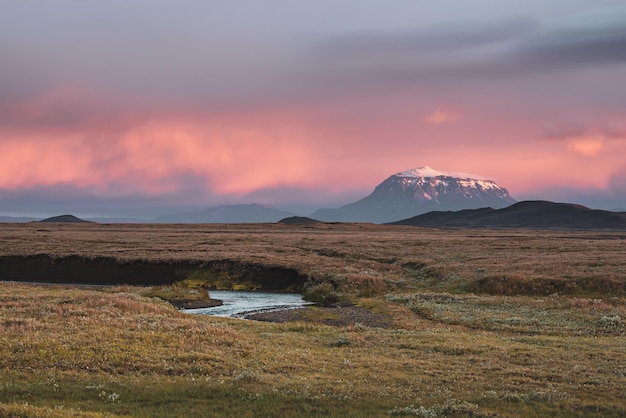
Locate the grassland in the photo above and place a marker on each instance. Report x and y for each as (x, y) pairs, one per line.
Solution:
(483, 323)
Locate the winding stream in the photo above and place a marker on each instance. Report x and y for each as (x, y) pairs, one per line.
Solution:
(239, 304)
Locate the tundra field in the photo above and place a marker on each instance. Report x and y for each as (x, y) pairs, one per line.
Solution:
(497, 323)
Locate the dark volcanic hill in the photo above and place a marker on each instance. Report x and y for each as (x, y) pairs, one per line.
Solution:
(251, 213)
(299, 220)
(418, 191)
(528, 214)
(65, 218)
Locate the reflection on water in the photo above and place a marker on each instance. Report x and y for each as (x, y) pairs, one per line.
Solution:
(238, 304)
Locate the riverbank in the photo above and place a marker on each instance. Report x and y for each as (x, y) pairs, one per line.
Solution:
(195, 304)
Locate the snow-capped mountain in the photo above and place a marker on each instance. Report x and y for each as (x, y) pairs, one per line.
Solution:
(420, 190)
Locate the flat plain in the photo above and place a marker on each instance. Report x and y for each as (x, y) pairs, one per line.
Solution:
(478, 322)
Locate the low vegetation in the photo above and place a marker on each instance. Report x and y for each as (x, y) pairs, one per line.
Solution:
(222, 280)
(459, 341)
(181, 296)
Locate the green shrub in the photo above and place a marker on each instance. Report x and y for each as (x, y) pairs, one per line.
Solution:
(323, 293)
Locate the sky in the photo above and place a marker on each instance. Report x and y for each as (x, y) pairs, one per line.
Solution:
(149, 107)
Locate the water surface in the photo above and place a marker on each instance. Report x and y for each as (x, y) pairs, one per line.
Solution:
(239, 304)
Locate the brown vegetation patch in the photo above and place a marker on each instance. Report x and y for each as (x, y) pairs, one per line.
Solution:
(340, 316)
(511, 285)
(515, 285)
(604, 284)
(347, 260)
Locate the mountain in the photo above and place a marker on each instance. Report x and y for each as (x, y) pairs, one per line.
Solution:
(65, 219)
(120, 220)
(528, 214)
(250, 213)
(17, 219)
(418, 191)
(299, 220)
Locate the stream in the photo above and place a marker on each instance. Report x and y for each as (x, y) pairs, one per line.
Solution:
(238, 304)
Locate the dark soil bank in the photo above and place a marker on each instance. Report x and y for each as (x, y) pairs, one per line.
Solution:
(196, 304)
(110, 271)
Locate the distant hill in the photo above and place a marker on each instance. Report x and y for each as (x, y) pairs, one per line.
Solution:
(417, 191)
(528, 214)
(65, 218)
(250, 213)
(17, 219)
(120, 220)
(299, 220)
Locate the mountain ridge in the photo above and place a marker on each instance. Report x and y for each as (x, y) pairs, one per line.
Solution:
(17, 219)
(239, 213)
(529, 214)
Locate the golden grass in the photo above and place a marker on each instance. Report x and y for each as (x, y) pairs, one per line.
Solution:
(359, 259)
(94, 351)
(86, 352)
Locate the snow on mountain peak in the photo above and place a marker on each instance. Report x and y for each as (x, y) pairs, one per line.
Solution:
(420, 190)
(426, 171)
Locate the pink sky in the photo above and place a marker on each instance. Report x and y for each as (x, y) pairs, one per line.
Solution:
(161, 105)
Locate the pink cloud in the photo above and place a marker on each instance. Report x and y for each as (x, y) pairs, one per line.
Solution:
(442, 115)
(33, 161)
(587, 146)
(149, 159)
(587, 139)
(564, 130)
(69, 108)
(234, 159)
(49, 141)
(107, 145)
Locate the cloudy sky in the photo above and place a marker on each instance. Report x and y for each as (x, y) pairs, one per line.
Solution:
(138, 107)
